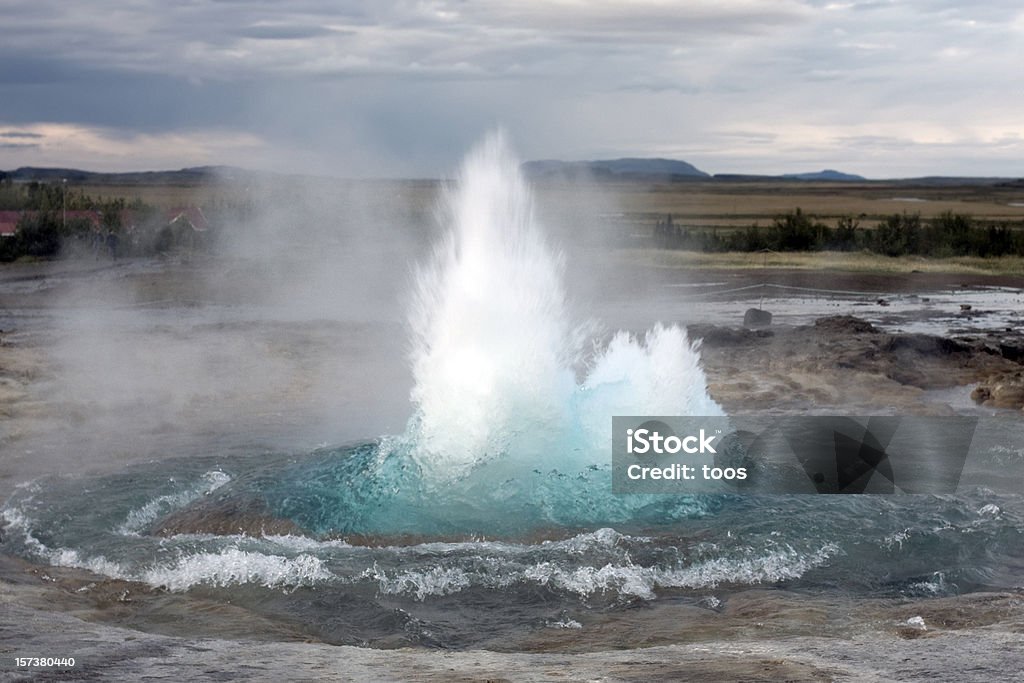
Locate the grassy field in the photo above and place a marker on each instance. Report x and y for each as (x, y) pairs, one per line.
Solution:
(624, 213)
(736, 204)
(740, 204)
(826, 260)
(285, 189)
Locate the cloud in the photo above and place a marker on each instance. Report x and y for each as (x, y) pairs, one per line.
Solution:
(645, 17)
(401, 87)
(109, 149)
(283, 32)
(15, 134)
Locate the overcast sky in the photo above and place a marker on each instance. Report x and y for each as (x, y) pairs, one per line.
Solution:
(403, 88)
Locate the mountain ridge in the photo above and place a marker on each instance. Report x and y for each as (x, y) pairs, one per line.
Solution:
(626, 168)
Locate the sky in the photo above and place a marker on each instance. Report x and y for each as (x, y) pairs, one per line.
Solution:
(402, 88)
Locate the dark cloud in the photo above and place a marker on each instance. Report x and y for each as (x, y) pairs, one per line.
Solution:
(18, 134)
(19, 69)
(284, 32)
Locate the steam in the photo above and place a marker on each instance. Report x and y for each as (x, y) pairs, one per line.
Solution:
(285, 332)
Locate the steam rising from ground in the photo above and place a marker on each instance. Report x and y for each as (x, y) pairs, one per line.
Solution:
(285, 332)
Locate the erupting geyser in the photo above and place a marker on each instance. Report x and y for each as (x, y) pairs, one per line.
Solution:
(496, 356)
(493, 347)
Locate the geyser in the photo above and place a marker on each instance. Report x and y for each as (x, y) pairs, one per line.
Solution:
(512, 420)
(496, 358)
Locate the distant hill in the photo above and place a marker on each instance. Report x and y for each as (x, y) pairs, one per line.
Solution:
(185, 176)
(631, 168)
(827, 174)
(664, 170)
(647, 169)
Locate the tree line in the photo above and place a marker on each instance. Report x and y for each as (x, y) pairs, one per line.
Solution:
(900, 234)
(55, 220)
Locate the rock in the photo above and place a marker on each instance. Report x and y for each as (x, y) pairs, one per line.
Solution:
(845, 323)
(713, 335)
(924, 344)
(224, 516)
(755, 317)
(1012, 351)
(1008, 395)
(1004, 390)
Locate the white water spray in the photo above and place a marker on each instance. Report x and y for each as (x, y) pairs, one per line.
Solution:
(494, 351)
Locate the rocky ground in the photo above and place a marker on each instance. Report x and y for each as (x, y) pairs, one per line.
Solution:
(844, 363)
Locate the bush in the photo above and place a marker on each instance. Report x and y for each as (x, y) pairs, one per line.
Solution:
(899, 234)
(38, 235)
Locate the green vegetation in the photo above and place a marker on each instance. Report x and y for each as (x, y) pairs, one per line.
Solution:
(946, 235)
(53, 219)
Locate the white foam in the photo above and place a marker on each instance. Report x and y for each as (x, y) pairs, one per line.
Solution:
(601, 539)
(895, 540)
(59, 557)
(228, 567)
(432, 582)
(625, 579)
(991, 509)
(784, 564)
(304, 543)
(565, 623)
(137, 520)
(936, 586)
(285, 542)
(231, 567)
(66, 557)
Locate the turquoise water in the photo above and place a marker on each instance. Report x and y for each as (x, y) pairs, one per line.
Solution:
(390, 569)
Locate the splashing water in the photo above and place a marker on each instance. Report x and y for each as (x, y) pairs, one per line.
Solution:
(492, 346)
(496, 359)
(512, 422)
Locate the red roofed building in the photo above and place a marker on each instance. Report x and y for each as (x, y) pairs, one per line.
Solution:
(94, 217)
(9, 223)
(9, 219)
